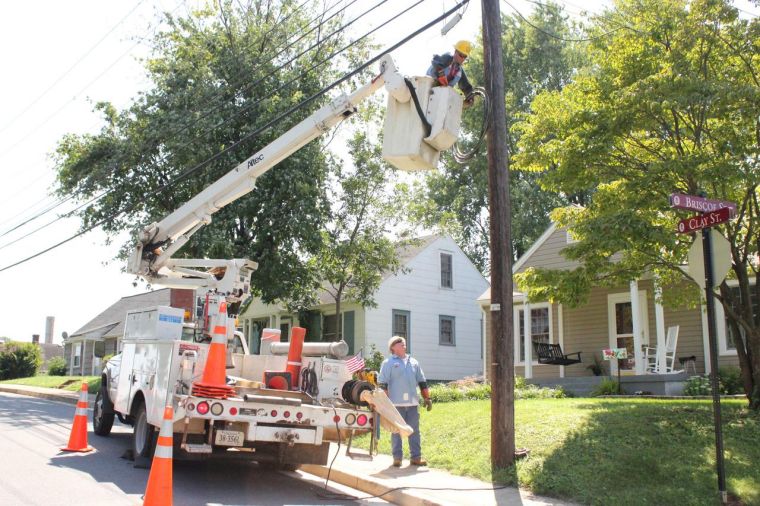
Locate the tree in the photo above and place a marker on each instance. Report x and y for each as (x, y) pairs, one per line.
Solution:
(356, 251)
(456, 198)
(19, 360)
(218, 74)
(671, 103)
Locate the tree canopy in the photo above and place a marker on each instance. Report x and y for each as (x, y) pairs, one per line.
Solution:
(217, 75)
(669, 103)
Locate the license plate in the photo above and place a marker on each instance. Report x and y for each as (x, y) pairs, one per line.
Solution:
(229, 438)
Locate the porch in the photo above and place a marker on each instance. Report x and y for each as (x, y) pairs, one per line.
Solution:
(655, 384)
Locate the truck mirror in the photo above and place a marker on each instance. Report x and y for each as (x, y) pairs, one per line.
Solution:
(100, 349)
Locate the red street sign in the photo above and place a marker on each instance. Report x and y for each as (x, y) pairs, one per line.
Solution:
(701, 204)
(704, 220)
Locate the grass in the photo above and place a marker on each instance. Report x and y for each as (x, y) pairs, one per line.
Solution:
(603, 451)
(70, 383)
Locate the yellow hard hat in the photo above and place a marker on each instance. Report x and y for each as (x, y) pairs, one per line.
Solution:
(464, 47)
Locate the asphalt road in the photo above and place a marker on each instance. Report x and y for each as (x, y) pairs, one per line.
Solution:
(33, 470)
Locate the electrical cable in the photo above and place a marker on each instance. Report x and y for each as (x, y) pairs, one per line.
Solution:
(554, 35)
(309, 381)
(276, 120)
(269, 93)
(190, 123)
(72, 67)
(463, 157)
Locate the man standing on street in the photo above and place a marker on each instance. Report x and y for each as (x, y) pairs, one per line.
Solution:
(400, 375)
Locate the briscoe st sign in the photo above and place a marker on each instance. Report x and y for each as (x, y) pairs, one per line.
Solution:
(701, 204)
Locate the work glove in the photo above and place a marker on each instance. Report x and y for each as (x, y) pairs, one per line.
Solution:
(469, 100)
(443, 81)
(428, 403)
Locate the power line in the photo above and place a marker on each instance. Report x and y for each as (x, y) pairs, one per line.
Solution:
(268, 125)
(72, 67)
(554, 35)
(234, 116)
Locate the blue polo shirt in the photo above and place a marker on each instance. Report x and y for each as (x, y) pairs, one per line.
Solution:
(402, 375)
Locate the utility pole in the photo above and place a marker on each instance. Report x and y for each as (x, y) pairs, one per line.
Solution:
(499, 208)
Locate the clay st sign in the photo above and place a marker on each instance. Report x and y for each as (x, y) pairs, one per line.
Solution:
(704, 220)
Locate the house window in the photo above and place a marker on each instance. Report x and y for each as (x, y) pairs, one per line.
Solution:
(447, 278)
(446, 330)
(401, 326)
(77, 354)
(729, 334)
(330, 328)
(540, 328)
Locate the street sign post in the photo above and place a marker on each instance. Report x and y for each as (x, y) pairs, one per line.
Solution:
(714, 212)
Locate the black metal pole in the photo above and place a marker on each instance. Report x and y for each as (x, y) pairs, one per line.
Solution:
(714, 383)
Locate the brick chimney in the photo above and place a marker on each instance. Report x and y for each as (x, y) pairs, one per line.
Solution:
(36, 338)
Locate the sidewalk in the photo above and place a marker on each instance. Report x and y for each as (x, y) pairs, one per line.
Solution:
(427, 486)
(407, 485)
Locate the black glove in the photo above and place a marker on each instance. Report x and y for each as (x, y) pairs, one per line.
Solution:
(428, 403)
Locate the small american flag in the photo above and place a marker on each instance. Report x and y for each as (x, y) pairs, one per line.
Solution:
(355, 363)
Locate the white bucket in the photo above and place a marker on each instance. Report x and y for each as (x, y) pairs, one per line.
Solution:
(269, 336)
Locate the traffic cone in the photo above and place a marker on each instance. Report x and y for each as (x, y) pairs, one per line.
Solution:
(78, 437)
(159, 489)
(213, 384)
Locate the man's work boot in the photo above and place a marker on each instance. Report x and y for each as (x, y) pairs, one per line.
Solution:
(396, 462)
(418, 462)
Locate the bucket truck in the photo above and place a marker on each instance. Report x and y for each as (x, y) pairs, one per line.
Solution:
(250, 419)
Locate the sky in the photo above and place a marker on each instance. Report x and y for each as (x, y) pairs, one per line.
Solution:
(62, 57)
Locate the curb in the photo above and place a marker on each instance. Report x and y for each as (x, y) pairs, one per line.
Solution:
(67, 397)
(369, 486)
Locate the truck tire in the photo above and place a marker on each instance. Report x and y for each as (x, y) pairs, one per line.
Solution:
(102, 415)
(143, 433)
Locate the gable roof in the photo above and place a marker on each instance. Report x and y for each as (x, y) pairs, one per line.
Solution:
(111, 321)
(534, 247)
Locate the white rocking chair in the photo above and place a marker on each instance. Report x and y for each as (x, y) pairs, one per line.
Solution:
(652, 358)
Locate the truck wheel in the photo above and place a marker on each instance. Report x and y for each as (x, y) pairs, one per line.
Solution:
(143, 434)
(102, 421)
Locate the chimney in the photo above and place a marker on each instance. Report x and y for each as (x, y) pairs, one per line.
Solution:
(35, 338)
(49, 324)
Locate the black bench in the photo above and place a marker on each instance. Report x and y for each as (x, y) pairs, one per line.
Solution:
(552, 354)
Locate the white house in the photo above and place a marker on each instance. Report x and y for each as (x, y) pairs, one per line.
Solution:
(432, 304)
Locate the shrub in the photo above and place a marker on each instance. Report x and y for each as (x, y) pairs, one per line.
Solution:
(606, 387)
(730, 380)
(19, 360)
(469, 389)
(57, 367)
(697, 385)
(536, 392)
(375, 359)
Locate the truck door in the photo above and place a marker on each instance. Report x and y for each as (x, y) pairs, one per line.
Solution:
(123, 391)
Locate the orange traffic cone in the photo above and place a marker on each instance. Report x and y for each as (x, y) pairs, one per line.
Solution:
(214, 381)
(159, 489)
(78, 437)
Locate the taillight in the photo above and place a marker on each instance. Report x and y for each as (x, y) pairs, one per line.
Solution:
(202, 408)
(299, 415)
(233, 411)
(190, 406)
(336, 419)
(286, 414)
(273, 413)
(217, 409)
(350, 419)
(361, 420)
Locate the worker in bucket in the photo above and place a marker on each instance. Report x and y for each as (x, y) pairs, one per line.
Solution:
(448, 71)
(400, 375)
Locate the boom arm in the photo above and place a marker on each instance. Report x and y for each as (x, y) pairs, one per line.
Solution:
(152, 257)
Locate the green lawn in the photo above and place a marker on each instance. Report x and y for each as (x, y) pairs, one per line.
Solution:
(603, 451)
(70, 383)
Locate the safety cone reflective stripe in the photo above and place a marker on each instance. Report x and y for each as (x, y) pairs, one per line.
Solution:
(78, 436)
(159, 489)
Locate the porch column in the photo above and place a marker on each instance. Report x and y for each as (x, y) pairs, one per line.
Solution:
(636, 318)
(659, 316)
(561, 332)
(527, 342)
